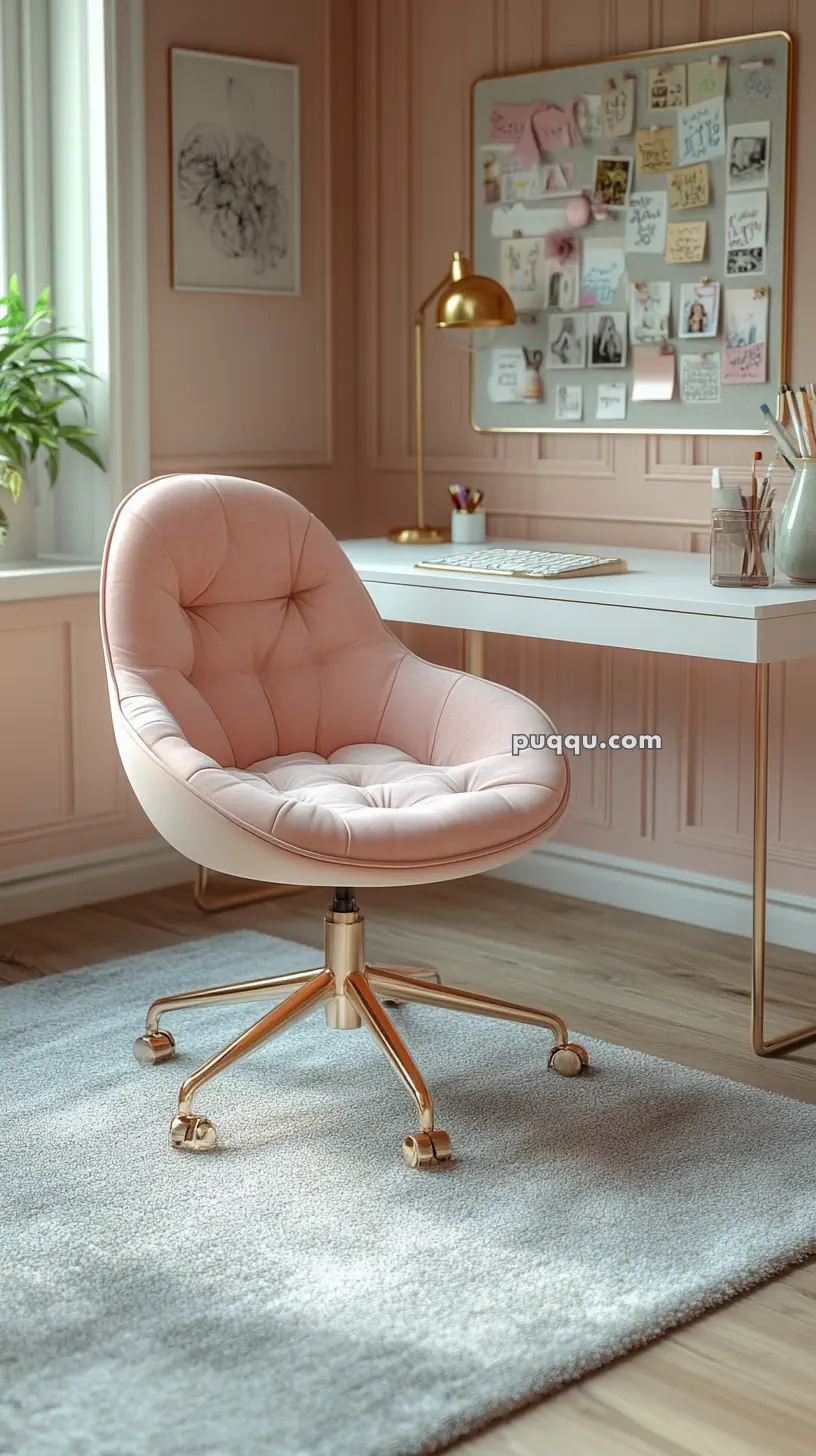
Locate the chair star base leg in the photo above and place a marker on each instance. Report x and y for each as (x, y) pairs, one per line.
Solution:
(353, 994)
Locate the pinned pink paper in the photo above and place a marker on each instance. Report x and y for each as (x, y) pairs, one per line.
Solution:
(534, 127)
(654, 370)
(745, 364)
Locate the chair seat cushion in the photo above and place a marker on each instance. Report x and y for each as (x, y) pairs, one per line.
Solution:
(373, 804)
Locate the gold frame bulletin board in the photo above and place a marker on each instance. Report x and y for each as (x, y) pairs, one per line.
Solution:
(637, 209)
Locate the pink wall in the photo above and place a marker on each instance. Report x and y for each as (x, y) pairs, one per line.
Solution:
(689, 805)
(255, 386)
(261, 386)
(268, 387)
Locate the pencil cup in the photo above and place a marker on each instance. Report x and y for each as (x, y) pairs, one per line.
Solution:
(468, 527)
(742, 547)
(796, 541)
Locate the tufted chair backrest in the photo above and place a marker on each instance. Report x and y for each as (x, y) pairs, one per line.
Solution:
(232, 606)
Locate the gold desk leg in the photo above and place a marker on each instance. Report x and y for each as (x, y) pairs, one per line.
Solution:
(357, 989)
(197, 1133)
(807, 1034)
(212, 902)
(474, 653)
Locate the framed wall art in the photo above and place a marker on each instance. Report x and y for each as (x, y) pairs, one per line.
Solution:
(235, 174)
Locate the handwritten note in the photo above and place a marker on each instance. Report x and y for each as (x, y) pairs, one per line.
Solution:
(746, 217)
(757, 84)
(700, 378)
(688, 187)
(611, 402)
(700, 132)
(655, 150)
(505, 384)
(525, 222)
(589, 115)
(747, 364)
(706, 80)
(603, 267)
(686, 242)
(534, 127)
(646, 217)
(618, 107)
(745, 357)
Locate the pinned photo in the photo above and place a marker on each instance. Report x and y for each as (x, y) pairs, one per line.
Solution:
(563, 279)
(739, 261)
(667, 88)
(649, 312)
(607, 347)
(749, 145)
(613, 180)
(522, 272)
(566, 341)
(699, 310)
(569, 402)
(491, 176)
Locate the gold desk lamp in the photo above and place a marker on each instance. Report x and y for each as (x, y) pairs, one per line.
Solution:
(466, 301)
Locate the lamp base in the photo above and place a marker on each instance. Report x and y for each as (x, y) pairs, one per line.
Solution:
(419, 535)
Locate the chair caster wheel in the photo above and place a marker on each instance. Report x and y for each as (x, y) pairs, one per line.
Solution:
(195, 1133)
(154, 1047)
(569, 1060)
(427, 1149)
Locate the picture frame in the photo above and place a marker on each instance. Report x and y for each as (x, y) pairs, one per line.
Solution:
(234, 174)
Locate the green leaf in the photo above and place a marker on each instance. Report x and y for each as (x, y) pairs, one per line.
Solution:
(37, 379)
(82, 448)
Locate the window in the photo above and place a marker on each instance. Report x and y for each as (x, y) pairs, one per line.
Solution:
(72, 215)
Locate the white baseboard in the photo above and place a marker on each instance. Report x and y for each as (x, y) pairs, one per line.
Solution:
(89, 879)
(585, 874)
(673, 894)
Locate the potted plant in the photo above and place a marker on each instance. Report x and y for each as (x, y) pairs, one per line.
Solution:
(36, 383)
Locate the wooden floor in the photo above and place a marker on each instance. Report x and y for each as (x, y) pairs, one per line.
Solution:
(739, 1381)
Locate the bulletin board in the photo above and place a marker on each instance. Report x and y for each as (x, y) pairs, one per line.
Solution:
(646, 145)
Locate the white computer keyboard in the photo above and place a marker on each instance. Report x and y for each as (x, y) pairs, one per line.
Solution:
(503, 561)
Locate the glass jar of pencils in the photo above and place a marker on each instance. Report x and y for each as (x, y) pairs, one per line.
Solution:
(742, 546)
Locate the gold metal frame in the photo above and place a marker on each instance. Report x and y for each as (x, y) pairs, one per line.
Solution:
(213, 901)
(353, 994)
(713, 45)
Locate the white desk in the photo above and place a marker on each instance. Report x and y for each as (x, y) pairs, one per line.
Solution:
(664, 603)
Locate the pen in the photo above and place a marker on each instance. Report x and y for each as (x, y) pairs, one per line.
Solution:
(787, 449)
(796, 420)
(807, 421)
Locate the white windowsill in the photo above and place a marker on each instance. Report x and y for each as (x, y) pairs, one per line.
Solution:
(26, 581)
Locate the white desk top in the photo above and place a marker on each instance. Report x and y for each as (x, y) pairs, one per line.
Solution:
(673, 581)
(664, 603)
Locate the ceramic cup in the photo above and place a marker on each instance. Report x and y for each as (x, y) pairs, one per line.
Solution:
(796, 533)
(468, 527)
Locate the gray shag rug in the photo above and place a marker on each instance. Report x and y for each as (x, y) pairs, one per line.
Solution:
(301, 1292)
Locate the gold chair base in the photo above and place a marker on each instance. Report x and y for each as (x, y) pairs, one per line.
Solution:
(352, 994)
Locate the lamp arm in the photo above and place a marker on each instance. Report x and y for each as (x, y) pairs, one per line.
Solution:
(426, 302)
(419, 388)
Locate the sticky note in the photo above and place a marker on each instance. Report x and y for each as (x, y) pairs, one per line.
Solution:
(686, 242)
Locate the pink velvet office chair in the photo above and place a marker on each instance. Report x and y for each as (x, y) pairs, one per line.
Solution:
(272, 727)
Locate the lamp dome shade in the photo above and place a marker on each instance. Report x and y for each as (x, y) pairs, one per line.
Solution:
(470, 301)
